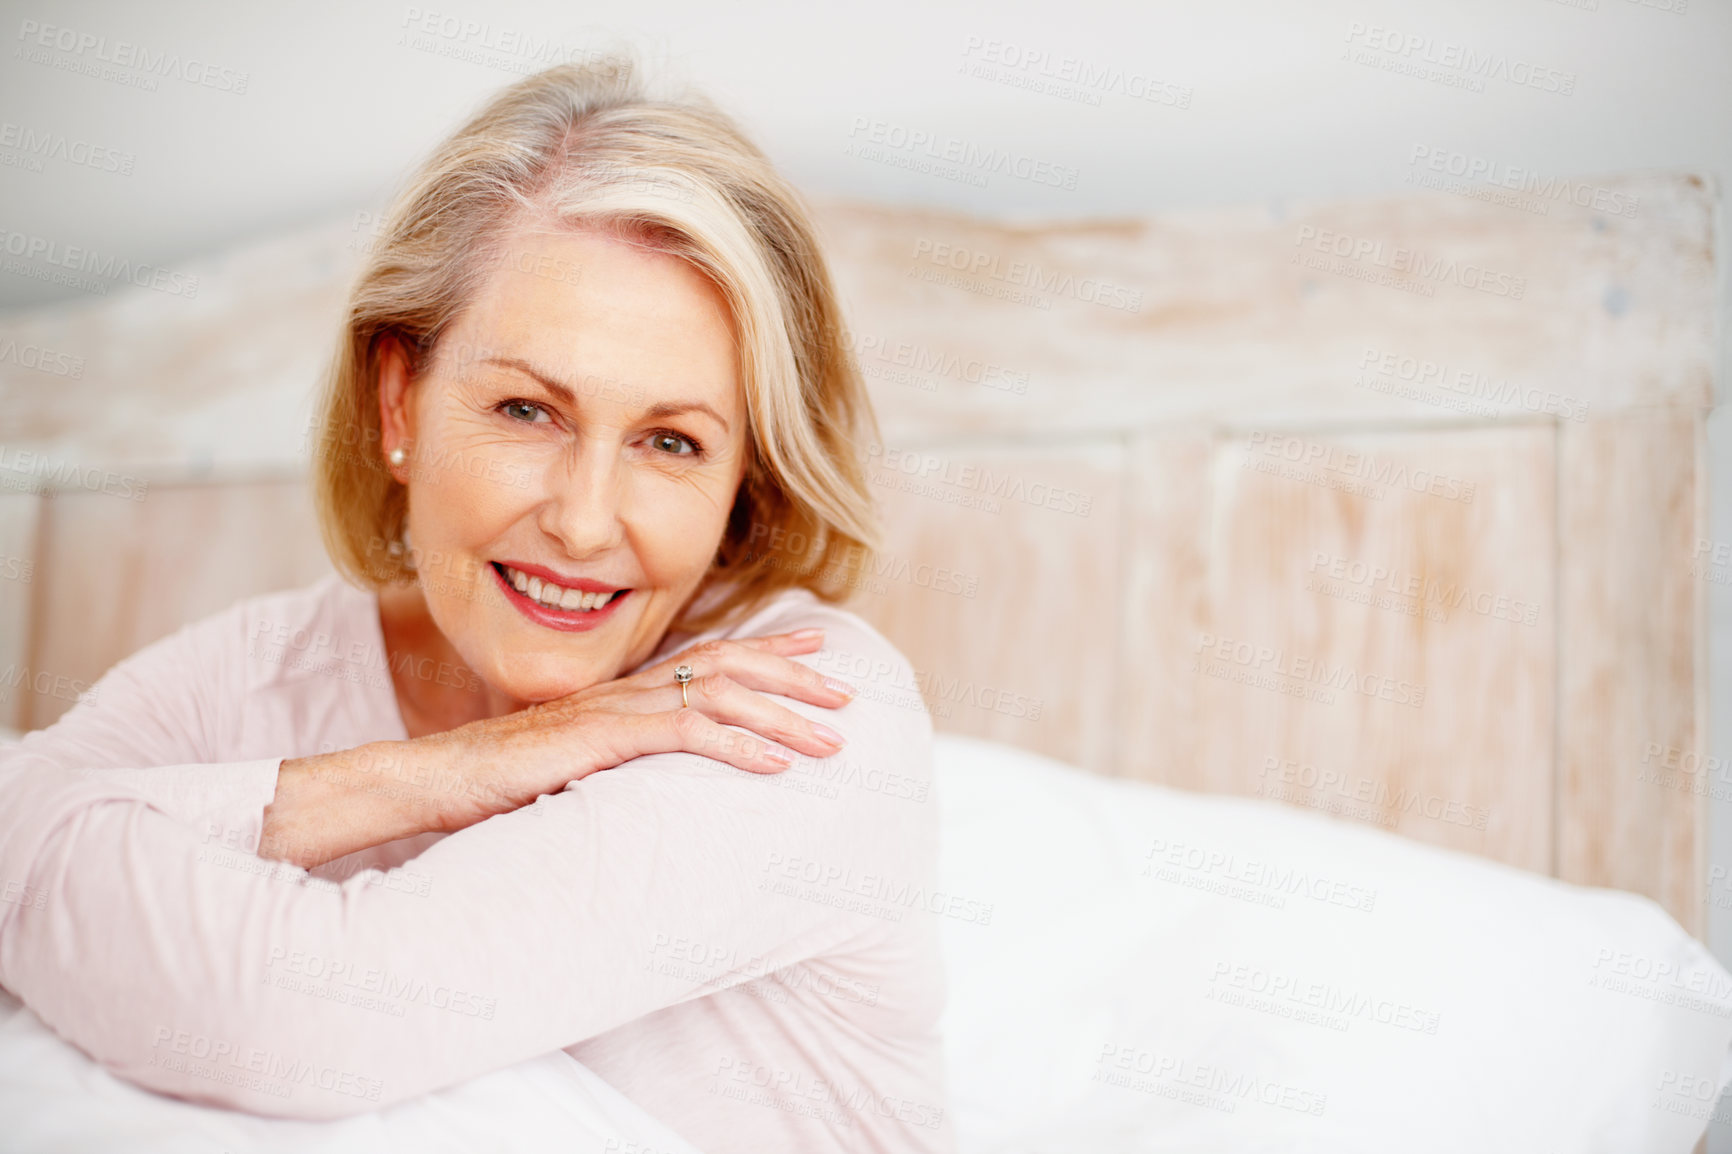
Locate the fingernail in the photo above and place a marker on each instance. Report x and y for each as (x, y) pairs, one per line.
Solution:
(825, 733)
(777, 757)
(841, 687)
(806, 634)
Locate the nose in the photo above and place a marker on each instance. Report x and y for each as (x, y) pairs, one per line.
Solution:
(585, 486)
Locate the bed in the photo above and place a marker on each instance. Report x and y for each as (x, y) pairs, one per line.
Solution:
(1403, 576)
(1138, 968)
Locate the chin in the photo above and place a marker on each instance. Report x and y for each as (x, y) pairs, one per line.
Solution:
(546, 679)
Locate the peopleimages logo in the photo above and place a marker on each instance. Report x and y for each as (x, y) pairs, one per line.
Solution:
(1186, 863)
(1482, 170)
(1278, 990)
(1272, 667)
(968, 157)
(29, 471)
(1410, 262)
(1422, 588)
(1065, 76)
(1395, 369)
(1377, 795)
(483, 42)
(979, 266)
(933, 469)
(1470, 63)
(83, 260)
(1199, 1084)
(91, 51)
(43, 360)
(43, 144)
(926, 361)
(44, 684)
(1368, 472)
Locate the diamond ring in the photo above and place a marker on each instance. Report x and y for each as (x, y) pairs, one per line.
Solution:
(683, 677)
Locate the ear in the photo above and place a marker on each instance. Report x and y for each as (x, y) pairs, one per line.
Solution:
(396, 404)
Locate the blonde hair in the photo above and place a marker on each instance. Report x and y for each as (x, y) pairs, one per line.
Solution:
(583, 144)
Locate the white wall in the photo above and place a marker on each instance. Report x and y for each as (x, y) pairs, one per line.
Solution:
(336, 104)
(1254, 102)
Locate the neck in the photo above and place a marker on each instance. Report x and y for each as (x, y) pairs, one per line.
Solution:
(451, 695)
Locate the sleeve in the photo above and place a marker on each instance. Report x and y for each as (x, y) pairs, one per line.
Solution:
(190, 974)
(149, 727)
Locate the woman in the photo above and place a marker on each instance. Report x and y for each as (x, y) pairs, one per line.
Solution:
(592, 373)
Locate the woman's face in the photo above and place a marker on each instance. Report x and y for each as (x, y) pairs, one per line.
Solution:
(580, 427)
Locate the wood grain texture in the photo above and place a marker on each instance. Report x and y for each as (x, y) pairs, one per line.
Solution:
(1380, 632)
(20, 515)
(125, 573)
(1222, 310)
(1169, 503)
(1034, 533)
(1630, 811)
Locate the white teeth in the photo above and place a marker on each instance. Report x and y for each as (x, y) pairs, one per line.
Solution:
(554, 596)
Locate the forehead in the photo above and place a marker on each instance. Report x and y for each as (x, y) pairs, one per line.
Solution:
(591, 306)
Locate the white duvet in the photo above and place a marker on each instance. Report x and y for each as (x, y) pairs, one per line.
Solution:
(1159, 971)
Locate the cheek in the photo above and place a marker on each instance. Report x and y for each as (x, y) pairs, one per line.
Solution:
(676, 529)
(461, 498)
(457, 513)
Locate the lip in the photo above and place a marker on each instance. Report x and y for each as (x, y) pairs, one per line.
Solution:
(546, 574)
(564, 620)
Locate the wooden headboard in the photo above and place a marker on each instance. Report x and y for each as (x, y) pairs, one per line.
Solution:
(1393, 509)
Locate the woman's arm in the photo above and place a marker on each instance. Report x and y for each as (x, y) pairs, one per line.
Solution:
(188, 972)
(334, 804)
(156, 725)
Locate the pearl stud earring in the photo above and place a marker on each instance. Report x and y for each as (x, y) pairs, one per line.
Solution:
(397, 456)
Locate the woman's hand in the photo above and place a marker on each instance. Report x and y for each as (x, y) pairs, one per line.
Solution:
(512, 760)
(337, 803)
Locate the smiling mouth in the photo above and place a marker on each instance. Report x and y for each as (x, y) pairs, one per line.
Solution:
(558, 598)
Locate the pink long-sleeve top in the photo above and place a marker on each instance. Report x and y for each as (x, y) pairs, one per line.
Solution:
(751, 959)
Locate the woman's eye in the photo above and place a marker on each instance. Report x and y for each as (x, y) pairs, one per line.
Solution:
(523, 411)
(670, 442)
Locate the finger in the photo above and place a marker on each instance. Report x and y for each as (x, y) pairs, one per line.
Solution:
(762, 670)
(799, 641)
(689, 730)
(711, 655)
(776, 673)
(727, 701)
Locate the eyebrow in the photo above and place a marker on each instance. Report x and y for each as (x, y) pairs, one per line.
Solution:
(565, 393)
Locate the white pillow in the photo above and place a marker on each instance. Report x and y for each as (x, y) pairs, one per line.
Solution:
(1163, 970)
(55, 1100)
